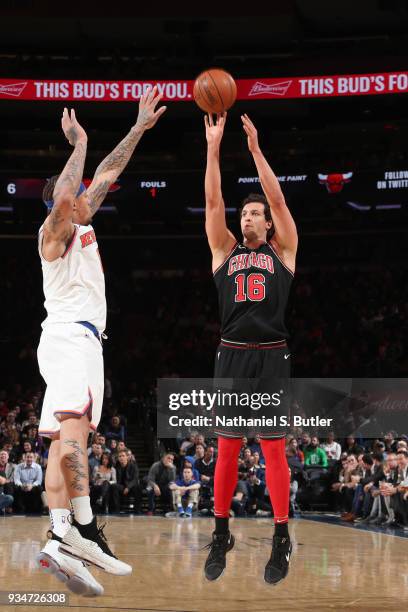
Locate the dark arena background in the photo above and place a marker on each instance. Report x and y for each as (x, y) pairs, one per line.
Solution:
(326, 86)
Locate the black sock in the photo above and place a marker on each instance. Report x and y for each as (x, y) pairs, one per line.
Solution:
(221, 526)
(90, 528)
(281, 530)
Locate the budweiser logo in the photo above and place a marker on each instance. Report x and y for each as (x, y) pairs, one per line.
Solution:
(276, 89)
(15, 89)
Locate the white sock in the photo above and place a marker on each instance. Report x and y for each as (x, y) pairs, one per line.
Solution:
(82, 509)
(59, 521)
(190, 506)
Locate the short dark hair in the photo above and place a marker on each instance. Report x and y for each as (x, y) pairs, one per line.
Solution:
(378, 457)
(403, 452)
(49, 188)
(261, 199)
(167, 453)
(367, 459)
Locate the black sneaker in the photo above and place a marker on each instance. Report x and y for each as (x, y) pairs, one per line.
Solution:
(216, 561)
(278, 565)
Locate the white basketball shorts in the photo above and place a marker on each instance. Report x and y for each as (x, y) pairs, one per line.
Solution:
(71, 362)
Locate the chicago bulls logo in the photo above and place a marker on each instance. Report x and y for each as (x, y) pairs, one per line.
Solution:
(335, 182)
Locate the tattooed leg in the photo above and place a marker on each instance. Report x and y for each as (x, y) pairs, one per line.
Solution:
(74, 456)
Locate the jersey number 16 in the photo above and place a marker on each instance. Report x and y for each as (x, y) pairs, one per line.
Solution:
(254, 289)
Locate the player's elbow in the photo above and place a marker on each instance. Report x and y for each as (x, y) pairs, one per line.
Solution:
(213, 204)
(64, 201)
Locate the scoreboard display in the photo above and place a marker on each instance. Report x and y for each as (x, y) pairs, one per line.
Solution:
(161, 195)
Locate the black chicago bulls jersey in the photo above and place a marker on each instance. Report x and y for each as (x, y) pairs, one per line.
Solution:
(253, 289)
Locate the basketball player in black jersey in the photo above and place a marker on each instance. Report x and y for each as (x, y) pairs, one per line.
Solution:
(253, 279)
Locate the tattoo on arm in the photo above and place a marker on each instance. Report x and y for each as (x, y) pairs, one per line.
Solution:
(112, 166)
(59, 220)
(74, 462)
(117, 160)
(71, 176)
(97, 195)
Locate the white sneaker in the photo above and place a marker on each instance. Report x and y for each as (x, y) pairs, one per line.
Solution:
(262, 513)
(91, 546)
(70, 571)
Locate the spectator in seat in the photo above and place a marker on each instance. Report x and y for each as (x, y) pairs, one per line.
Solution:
(10, 429)
(115, 430)
(402, 445)
(113, 446)
(362, 500)
(130, 455)
(27, 485)
(259, 463)
(200, 439)
(95, 457)
(121, 446)
(304, 441)
(349, 479)
(27, 448)
(244, 445)
(256, 494)
(13, 451)
(295, 460)
(399, 502)
(206, 466)
(127, 483)
(382, 489)
(390, 442)
(185, 493)
(187, 463)
(332, 448)
(314, 455)
(240, 498)
(351, 447)
(187, 444)
(293, 450)
(256, 446)
(31, 421)
(6, 481)
(103, 477)
(160, 475)
(101, 439)
(206, 469)
(199, 454)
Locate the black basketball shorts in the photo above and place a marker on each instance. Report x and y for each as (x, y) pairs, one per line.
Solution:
(256, 363)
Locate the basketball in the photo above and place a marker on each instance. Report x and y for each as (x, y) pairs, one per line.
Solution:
(215, 90)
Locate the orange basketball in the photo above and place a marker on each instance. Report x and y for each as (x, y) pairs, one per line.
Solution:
(215, 90)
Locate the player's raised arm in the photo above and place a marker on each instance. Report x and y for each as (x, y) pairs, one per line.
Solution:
(285, 229)
(113, 165)
(219, 237)
(58, 226)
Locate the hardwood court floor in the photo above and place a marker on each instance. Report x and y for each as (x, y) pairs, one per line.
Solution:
(333, 567)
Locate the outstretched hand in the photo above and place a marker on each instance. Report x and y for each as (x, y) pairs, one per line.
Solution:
(251, 133)
(148, 116)
(215, 131)
(72, 129)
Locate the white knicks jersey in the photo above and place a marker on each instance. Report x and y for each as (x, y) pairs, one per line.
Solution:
(74, 284)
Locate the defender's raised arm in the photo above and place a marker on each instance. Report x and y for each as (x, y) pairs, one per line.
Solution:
(58, 226)
(113, 165)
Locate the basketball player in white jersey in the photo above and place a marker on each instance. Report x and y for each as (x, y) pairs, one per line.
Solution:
(70, 352)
